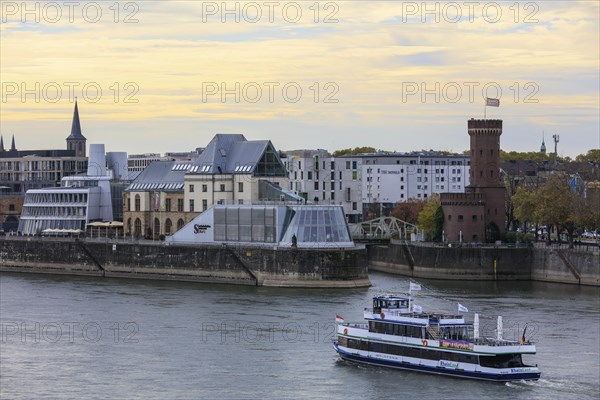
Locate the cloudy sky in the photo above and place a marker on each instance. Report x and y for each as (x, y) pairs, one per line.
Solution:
(308, 74)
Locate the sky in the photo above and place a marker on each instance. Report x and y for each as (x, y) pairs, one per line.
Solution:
(159, 76)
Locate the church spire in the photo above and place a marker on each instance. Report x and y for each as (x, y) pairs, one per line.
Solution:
(543, 148)
(1, 143)
(76, 141)
(13, 147)
(76, 126)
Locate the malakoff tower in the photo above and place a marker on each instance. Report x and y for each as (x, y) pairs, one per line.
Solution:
(478, 214)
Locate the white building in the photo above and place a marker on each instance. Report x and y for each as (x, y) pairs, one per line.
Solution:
(368, 185)
(79, 200)
(323, 179)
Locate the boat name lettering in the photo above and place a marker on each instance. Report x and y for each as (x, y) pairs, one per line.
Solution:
(456, 344)
(448, 364)
(200, 228)
(519, 370)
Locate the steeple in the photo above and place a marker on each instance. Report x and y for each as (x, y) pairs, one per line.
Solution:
(76, 141)
(76, 126)
(543, 148)
(13, 147)
(1, 143)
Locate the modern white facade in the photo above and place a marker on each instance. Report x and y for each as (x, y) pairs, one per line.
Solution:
(369, 185)
(80, 199)
(323, 179)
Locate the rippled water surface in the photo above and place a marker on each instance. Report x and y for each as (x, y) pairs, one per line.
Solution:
(79, 337)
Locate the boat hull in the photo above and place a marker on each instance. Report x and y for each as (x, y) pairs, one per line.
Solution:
(357, 358)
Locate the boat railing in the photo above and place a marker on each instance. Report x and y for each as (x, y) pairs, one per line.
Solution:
(356, 325)
(484, 341)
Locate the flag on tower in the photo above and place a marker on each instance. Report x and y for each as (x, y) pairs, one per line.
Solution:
(492, 102)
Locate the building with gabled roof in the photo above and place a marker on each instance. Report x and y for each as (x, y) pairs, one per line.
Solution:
(230, 170)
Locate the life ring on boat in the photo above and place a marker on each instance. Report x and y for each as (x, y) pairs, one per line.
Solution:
(345, 331)
(424, 341)
(382, 315)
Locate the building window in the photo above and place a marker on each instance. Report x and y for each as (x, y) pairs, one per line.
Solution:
(474, 218)
(332, 165)
(354, 175)
(460, 218)
(180, 224)
(449, 217)
(240, 201)
(168, 205)
(179, 206)
(354, 206)
(168, 226)
(205, 188)
(137, 228)
(137, 202)
(204, 204)
(156, 227)
(191, 205)
(191, 188)
(309, 175)
(299, 164)
(316, 185)
(11, 207)
(354, 164)
(240, 187)
(222, 187)
(332, 195)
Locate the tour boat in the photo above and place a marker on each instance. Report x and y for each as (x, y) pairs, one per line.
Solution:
(398, 334)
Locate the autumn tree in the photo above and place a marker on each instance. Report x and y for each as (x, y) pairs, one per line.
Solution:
(524, 205)
(431, 219)
(408, 210)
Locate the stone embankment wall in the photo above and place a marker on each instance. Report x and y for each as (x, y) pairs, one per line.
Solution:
(487, 263)
(222, 264)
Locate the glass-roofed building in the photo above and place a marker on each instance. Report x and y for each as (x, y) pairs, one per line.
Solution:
(299, 226)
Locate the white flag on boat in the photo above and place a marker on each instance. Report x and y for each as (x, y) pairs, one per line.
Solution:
(417, 308)
(462, 308)
(414, 286)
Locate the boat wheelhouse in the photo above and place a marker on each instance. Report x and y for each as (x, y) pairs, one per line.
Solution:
(396, 336)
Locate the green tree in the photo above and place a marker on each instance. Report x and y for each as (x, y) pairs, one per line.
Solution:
(431, 219)
(354, 151)
(560, 207)
(592, 155)
(524, 205)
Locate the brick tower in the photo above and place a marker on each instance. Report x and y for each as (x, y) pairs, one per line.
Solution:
(478, 215)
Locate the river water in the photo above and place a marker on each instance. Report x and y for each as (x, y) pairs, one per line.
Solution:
(84, 337)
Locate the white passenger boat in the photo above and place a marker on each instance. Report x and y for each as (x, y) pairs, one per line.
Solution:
(396, 336)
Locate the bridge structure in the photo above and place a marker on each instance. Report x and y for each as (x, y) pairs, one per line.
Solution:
(381, 230)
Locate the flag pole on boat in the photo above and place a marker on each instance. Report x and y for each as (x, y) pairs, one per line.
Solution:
(412, 287)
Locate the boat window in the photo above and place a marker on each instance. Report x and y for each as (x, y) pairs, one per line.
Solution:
(502, 361)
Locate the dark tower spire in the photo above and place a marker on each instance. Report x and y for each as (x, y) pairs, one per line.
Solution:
(76, 141)
(1, 143)
(13, 147)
